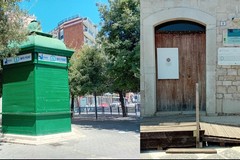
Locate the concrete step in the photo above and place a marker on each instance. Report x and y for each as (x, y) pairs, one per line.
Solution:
(191, 150)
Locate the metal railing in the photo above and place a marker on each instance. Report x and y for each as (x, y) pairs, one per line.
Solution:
(108, 110)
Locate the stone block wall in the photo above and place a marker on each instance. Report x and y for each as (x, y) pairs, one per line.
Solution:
(227, 76)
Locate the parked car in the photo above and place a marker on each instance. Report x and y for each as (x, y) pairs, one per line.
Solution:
(115, 104)
(131, 105)
(104, 105)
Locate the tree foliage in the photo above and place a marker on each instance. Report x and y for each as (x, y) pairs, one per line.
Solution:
(120, 40)
(87, 71)
(12, 30)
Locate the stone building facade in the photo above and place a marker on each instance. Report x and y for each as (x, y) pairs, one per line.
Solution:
(222, 67)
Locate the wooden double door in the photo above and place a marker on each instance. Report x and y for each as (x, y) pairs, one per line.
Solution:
(179, 94)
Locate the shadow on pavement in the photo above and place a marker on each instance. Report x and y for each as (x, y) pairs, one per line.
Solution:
(108, 122)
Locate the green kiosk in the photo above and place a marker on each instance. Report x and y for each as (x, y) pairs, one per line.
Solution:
(35, 86)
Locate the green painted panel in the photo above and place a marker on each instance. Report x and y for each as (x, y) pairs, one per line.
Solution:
(52, 64)
(52, 90)
(53, 124)
(19, 124)
(18, 89)
(36, 99)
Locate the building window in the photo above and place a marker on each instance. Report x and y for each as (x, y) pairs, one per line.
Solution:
(85, 28)
(61, 35)
(91, 32)
(85, 40)
(180, 26)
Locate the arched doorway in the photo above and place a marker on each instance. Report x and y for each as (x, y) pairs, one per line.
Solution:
(189, 38)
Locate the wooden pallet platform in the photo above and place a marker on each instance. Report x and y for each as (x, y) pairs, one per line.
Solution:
(167, 135)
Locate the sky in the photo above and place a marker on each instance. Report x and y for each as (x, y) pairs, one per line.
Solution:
(51, 12)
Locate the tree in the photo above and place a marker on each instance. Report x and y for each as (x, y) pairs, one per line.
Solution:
(12, 31)
(119, 38)
(11, 27)
(87, 73)
(73, 79)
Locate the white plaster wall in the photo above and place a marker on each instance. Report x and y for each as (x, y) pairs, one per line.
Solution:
(155, 12)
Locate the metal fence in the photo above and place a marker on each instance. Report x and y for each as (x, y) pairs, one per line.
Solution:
(135, 110)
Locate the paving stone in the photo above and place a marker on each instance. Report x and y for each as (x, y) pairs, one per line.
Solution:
(230, 154)
(179, 156)
(214, 156)
(112, 138)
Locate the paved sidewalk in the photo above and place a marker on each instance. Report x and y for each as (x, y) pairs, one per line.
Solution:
(222, 153)
(109, 137)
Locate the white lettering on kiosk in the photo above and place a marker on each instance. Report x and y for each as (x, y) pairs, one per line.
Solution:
(51, 58)
(17, 59)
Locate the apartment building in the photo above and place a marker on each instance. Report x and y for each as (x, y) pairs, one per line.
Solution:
(76, 31)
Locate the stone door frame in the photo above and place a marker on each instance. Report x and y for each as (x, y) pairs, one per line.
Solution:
(148, 65)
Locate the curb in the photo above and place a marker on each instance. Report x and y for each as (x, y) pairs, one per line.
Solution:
(39, 140)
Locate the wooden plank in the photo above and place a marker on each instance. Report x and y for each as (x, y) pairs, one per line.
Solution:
(170, 135)
(170, 129)
(220, 139)
(152, 128)
(177, 123)
(215, 130)
(221, 130)
(191, 150)
(173, 124)
(161, 129)
(233, 131)
(204, 126)
(167, 142)
(208, 128)
(212, 129)
(227, 131)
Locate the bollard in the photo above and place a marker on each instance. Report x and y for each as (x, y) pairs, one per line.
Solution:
(197, 117)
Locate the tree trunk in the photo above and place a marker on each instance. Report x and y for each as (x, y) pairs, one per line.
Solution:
(122, 104)
(95, 99)
(72, 105)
